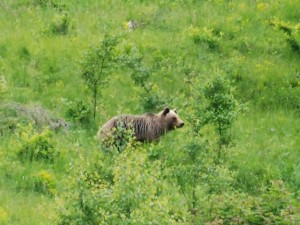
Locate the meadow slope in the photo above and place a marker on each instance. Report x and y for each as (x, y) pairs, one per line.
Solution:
(231, 68)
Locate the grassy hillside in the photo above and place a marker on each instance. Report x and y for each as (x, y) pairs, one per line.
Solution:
(236, 161)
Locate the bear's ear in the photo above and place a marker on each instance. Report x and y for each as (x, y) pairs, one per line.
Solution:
(175, 110)
(166, 111)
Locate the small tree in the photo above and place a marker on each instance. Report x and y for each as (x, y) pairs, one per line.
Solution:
(221, 108)
(97, 65)
(198, 167)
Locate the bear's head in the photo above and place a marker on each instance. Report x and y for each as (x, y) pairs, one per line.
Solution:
(171, 119)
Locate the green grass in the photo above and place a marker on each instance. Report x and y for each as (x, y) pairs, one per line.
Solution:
(184, 44)
(269, 149)
(27, 208)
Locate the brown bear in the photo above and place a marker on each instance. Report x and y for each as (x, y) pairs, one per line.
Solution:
(145, 128)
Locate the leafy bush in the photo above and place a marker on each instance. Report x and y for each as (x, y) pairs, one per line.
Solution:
(44, 182)
(138, 194)
(273, 206)
(37, 147)
(118, 139)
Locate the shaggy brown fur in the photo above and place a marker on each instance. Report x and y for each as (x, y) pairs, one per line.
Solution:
(147, 127)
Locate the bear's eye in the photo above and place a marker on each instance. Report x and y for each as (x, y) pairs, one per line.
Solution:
(174, 118)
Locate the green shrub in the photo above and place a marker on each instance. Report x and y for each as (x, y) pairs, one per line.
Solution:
(138, 194)
(221, 107)
(37, 147)
(274, 205)
(44, 182)
(119, 139)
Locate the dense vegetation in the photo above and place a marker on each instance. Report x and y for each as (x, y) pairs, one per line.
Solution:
(232, 70)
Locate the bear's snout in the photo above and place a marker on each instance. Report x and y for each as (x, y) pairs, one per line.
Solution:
(181, 124)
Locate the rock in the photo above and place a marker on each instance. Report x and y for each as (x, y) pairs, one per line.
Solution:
(12, 114)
